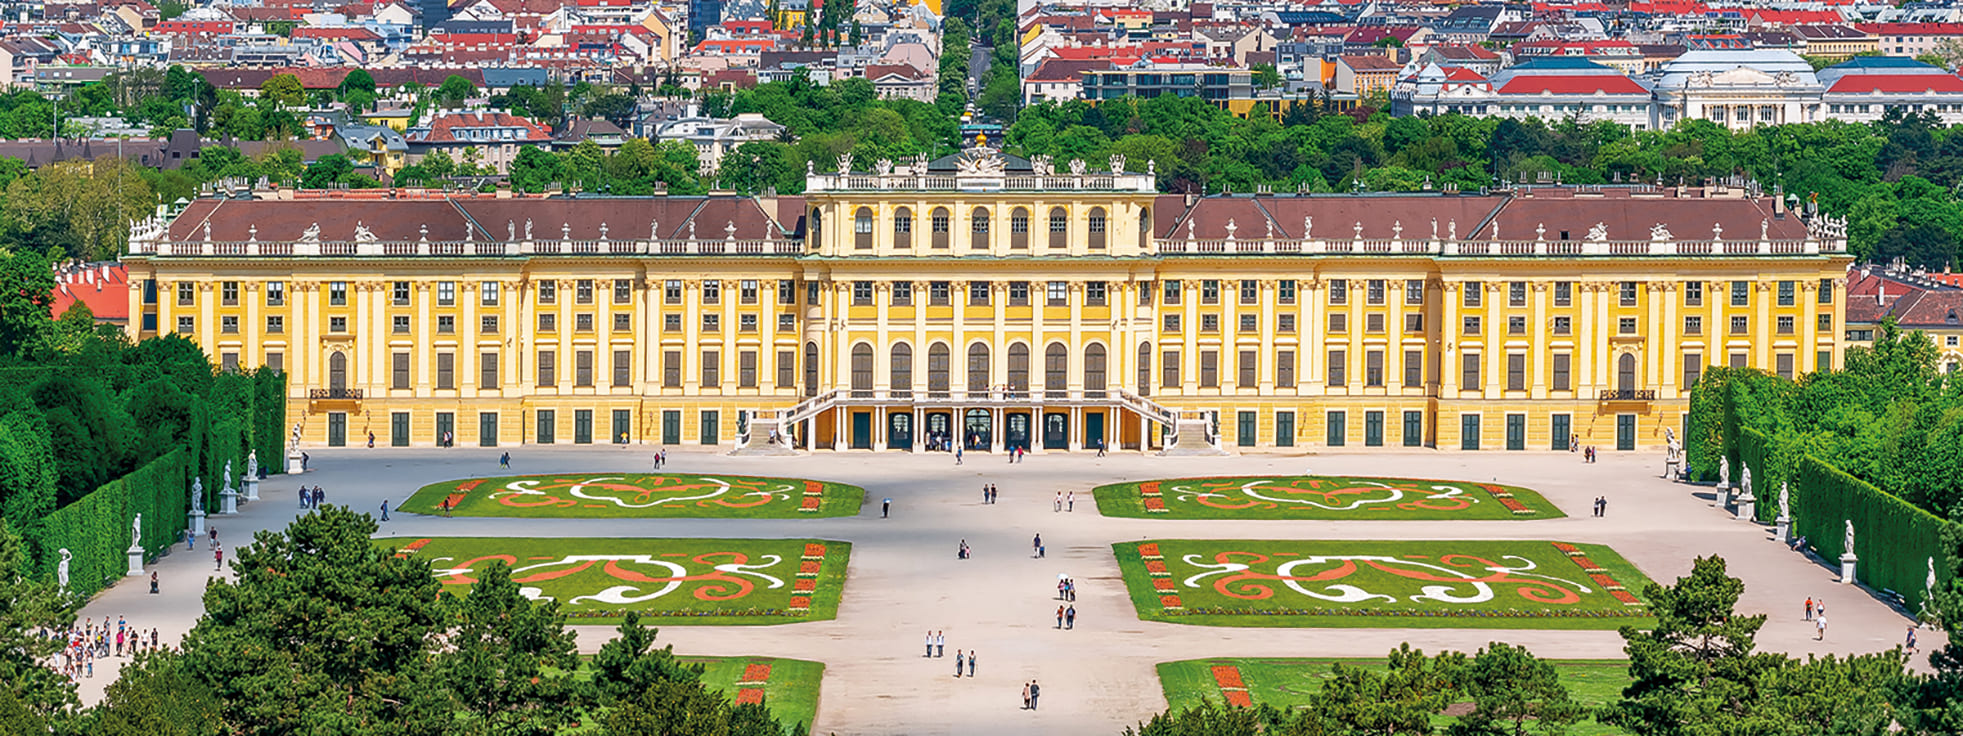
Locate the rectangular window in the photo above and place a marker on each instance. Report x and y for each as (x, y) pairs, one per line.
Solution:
(548, 292)
(1373, 323)
(711, 368)
(1824, 323)
(228, 293)
(1516, 293)
(1209, 323)
(1826, 291)
(1516, 372)
(583, 323)
(1562, 375)
(712, 323)
(671, 291)
(712, 292)
(1057, 294)
(446, 370)
(1018, 293)
(746, 369)
(671, 323)
(862, 293)
(400, 324)
(623, 367)
(746, 323)
(548, 368)
(1373, 367)
(1628, 293)
(1414, 368)
(787, 292)
(938, 293)
(1471, 326)
(1250, 323)
(1209, 369)
(1693, 293)
(1414, 322)
(1740, 325)
(1741, 293)
(1171, 323)
(446, 324)
(1339, 364)
(1373, 293)
(548, 322)
(1782, 364)
(1145, 290)
(1250, 292)
(337, 294)
(487, 370)
(1738, 360)
(1693, 369)
(671, 369)
(1474, 293)
(1625, 326)
(1285, 291)
(583, 368)
(1339, 292)
(786, 322)
(1788, 293)
(228, 324)
(1414, 292)
(337, 325)
(489, 292)
(1246, 368)
(746, 291)
(1469, 372)
(275, 293)
(1693, 325)
(1285, 323)
(903, 293)
(811, 294)
(1285, 369)
(623, 322)
(623, 291)
(1563, 325)
(978, 293)
(1516, 325)
(275, 324)
(1339, 322)
(1785, 324)
(786, 368)
(1094, 294)
(277, 360)
(1171, 290)
(1169, 369)
(489, 324)
(400, 293)
(1563, 293)
(1209, 291)
(446, 293)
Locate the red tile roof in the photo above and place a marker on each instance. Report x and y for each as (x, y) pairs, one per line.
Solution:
(102, 287)
(442, 129)
(1912, 29)
(1898, 83)
(1579, 84)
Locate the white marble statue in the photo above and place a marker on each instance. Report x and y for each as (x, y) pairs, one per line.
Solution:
(136, 531)
(1724, 472)
(61, 570)
(1848, 543)
(228, 474)
(251, 465)
(1928, 583)
(1745, 480)
(1785, 502)
(197, 494)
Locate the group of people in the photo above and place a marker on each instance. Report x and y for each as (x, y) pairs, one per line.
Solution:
(660, 458)
(1816, 611)
(90, 641)
(1066, 616)
(1030, 692)
(988, 493)
(963, 553)
(940, 442)
(1066, 588)
(1066, 501)
(1601, 506)
(1036, 547)
(312, 498)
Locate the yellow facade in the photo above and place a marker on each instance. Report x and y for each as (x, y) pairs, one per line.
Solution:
(1000, 301)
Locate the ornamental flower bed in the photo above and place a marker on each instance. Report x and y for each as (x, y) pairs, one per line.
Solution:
(1232, 689)
(1319, 498)
(636, 495)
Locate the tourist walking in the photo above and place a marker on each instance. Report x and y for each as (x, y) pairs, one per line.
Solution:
(1911, 638)
(385, 509)
(1036, 546)
(930, 643)
(303, 497)
(1035, 694)
(1025, 696)
(1808, 616)
(1820, 625)
(1070, 617)
(153, 582)
(504, 461)
(885, 507)
(218, 557)
(1059, 617)
(940, 644)
(1057, 505)
(1070, 502)
(957, 662)
(957, 454)
(971, 663)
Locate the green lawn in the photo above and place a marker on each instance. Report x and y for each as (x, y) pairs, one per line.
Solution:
(638, 496)
(1287, 683)
(791, 691)
(1382, 584)
(1320, 497)
(674, 581)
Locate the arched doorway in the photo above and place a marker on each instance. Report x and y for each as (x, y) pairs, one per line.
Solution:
(1018, 370)
(901, 374)
(1056, 371)
(978, 429)
(978, 368)
(337, 371)
(862, 371)
(1625, 373)
(937, 370)
(1094, 371)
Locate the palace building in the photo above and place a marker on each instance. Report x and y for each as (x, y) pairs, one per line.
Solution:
(997, 302)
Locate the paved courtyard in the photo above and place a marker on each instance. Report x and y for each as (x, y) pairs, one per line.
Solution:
(904, 578)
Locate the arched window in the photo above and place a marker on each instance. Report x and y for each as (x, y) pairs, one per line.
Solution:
(1096, 224)
(862, 229)
(1094, 370)
(1018, 368)
(978, 368)
(811, 369)
(937, 362)
(1625, 372)
(337, 371)
(1144, 228)
(940, 228)
(902, 370)
(978, 226)
(817, 230)
(1056, 370)
(903, 228)
(1145, 369)
(1019, 229)
(862, 370)
(1059, 228)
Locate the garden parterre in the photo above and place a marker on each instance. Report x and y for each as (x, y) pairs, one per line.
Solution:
(637, 495)
(1382, 584)
(674, 581)
(1318, 497)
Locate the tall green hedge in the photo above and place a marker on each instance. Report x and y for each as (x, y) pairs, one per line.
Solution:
(1894, 541)
(269, 419)
(96, 528)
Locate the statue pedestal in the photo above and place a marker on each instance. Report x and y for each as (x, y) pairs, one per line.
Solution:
(1723, 497)
(1847, 567)
(1783, 529)
(136, 561)
(1746, 507)
(228, 502)
(252, 489)
(293, 462)
(197, 522)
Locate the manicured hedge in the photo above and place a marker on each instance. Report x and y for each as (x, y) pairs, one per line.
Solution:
(96, 528)
(1893, 539)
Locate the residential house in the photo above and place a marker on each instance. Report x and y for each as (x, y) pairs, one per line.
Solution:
(494, 137)
(715, 137)
(1364, 76)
